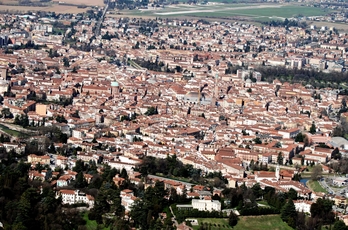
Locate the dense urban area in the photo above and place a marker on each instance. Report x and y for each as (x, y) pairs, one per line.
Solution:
(116, 122)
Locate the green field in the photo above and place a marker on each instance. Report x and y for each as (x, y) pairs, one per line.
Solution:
(315, 186)
(246, 222)
(264, 12)
(216, 223)
(12, 132)
(92, 224)
(261, 223)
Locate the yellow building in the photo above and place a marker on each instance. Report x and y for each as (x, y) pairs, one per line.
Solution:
(41, 109)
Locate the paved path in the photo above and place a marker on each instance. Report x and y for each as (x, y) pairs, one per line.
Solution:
(164, 178)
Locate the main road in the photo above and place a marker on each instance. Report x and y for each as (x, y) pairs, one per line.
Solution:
(101, 19)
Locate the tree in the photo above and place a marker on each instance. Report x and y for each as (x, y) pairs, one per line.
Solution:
(316, 172)
(322, 210)
(151, 111)
(80, 181)
(280, 158)
(61, 119)
(257, 140)
(66, 62)
(313, 129)
(257, 190)
(339, 225)
(76, 114)
(232, 219)
(336, 154)
(288, 213)
(6, 113)
(51, 148)
(299, 137)
(292, 194)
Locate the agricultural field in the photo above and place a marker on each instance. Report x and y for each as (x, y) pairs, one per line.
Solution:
(82, 2)
(54, 8)
(72, 2)
(338, 25)
(264, 12)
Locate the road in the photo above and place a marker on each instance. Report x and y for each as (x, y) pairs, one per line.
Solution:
(325, 186)
(101, 19)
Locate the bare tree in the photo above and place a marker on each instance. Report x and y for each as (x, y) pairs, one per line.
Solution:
(316, 172)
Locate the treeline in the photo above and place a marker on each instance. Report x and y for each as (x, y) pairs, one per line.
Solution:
(181, 215)
(304, 76)
(172, 167)
(285, 23)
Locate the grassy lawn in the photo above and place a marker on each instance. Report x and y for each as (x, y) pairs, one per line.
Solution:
(216, 223)
(263, 203)
(91, 224)
(261, 222)
(246, 222)
(315, 186)
(12, 132)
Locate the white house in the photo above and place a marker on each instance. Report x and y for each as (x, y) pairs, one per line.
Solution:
(127, 199)
(75, 196)
(206, 204)
(303, 206)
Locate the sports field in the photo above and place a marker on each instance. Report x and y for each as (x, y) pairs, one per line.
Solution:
(263, 12)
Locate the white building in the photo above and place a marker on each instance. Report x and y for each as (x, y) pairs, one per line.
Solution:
(127, 199)
(75, 197)
(303, 206)
(206, 204)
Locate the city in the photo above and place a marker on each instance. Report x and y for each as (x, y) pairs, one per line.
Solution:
(163, 122)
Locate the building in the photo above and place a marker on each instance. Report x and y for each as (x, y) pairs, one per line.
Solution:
(127, 199)
(303, 206)
(75, 197)
(34, 159)
(41, 109)
(206, 204)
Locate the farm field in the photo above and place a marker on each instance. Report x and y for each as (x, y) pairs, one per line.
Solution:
(82, 2)
(53, 8)
(73, 2)
(337, 25)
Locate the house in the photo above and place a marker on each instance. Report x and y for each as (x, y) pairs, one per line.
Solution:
(303, 206)
(75, 197)
(61, 161)
(35, 175)
(206, 204)
(127, 199)
(118, 180)
(19, 148)
(34, 159)
(64, 180)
